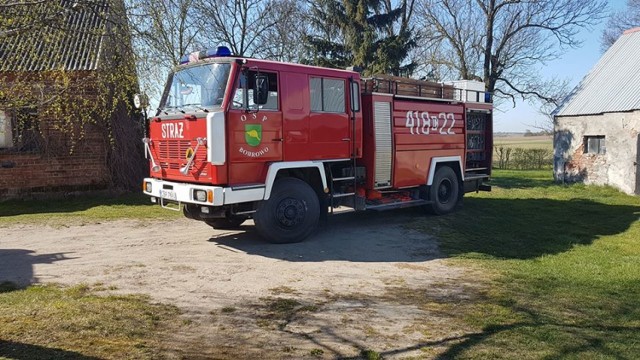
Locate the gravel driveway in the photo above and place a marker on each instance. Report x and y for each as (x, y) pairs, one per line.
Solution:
(365, 281)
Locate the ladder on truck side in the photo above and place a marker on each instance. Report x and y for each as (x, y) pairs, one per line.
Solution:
(349, 179)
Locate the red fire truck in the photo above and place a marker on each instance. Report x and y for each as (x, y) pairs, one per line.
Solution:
(286, 144)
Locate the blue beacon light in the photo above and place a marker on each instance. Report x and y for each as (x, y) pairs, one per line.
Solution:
(184, 59)
(220, 51)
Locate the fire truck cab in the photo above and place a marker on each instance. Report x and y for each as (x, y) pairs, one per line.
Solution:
(285, 144)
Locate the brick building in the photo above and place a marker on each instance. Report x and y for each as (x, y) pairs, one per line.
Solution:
(597, 127)
(38, 152)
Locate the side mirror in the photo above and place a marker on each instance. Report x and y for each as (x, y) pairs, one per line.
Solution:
(355, 96)
(140, 101)
(261, 90)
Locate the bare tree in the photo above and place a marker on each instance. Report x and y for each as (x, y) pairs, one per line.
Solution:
(163, 31)
(556, 90)
(619, 22)
(284, 41)
(503, 42)
(240, 24)
(453, 38)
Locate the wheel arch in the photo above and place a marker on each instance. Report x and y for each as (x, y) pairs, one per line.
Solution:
(312, 172)
(455, 162)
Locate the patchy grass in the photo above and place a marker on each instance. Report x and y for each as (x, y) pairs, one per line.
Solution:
(280, 290)
(566, 261)
(370, 355)
(47, 322)
(282, 307)
(227, 310)
(90, 208)
(277, 313)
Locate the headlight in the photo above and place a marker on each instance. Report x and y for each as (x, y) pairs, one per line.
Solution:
(200, 195)
(147, 186)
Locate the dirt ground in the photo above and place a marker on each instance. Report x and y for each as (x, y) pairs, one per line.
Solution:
(363, 282)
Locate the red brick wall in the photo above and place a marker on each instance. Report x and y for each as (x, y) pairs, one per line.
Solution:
(25, 173)
(40, 171)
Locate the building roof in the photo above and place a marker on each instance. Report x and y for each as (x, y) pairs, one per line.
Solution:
(612, 85)
(54, 35)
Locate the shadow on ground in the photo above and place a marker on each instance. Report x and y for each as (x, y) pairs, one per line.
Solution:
(527, 228)
(20, 351)
(352, 326)
(16, 265)
(354, 237)
(496, 227)
(520, 182)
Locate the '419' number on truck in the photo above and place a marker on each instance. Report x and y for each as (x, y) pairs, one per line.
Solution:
(425, 124)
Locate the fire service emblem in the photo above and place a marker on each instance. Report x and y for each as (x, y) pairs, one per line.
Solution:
(253, 134)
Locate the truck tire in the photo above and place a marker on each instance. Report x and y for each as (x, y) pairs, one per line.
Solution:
(290, 215)
(228, 223)
(444, 192)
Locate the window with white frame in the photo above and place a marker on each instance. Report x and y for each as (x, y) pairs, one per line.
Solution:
(594, 145)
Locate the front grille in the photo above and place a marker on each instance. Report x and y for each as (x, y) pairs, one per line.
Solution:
(172, 154)
(173, 149)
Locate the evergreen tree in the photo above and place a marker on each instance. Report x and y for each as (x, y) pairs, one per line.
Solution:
(367, 33)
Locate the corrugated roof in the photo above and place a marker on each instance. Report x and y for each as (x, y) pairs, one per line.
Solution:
(69, 36)
(613, 85)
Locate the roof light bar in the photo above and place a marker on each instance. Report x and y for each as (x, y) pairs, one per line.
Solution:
(220, 51)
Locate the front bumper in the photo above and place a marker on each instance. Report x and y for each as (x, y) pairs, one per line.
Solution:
(185, 192)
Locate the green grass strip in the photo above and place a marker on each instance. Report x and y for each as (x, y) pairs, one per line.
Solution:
(567, 265)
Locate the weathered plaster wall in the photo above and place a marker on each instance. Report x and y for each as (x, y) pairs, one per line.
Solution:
(617, 167)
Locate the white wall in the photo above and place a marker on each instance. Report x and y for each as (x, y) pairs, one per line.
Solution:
(616, 167)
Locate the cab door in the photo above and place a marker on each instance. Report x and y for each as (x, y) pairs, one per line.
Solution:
(254, 131)
(329, 124)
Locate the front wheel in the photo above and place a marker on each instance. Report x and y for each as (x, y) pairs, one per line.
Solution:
(290, 215)
(445, 191)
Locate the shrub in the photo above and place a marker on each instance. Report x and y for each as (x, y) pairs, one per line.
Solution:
(523, 159)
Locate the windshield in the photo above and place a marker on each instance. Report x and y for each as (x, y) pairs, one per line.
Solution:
(197, 86)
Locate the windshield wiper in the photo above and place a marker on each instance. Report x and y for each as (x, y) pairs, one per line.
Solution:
(177, 107)
(197, 106)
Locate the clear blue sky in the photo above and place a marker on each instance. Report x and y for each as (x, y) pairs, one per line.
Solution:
(575, 64)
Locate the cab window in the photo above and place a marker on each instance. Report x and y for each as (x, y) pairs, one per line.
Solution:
(327, 95)
(247, 83)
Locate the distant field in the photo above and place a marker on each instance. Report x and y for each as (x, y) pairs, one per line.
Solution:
(526, 142)
(523, 152)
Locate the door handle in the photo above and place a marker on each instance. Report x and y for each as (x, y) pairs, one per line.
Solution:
(277, 139)
(346, 139)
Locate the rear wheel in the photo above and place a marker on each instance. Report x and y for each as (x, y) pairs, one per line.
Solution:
(445, 191)
(228, 223)
(290, 215)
